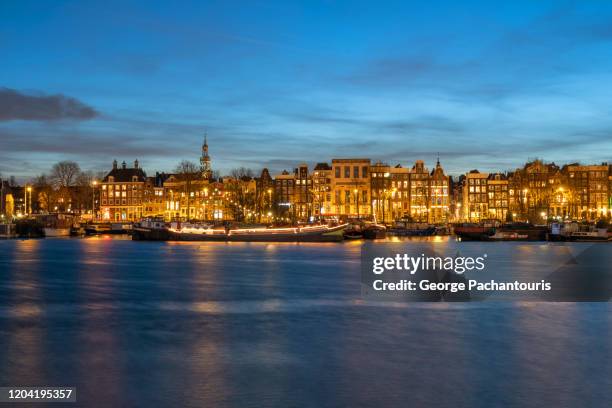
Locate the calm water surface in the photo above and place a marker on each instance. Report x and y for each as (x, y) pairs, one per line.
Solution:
(282, 325)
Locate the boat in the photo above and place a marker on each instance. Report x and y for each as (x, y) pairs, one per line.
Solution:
(108, 228)
(474, 232)
(156, 230)
(56, 224)
(505, 232)
(51, 232)
(352, 234)
(7, 231)
(354, 231)
(591, 235)
(77, 230)
(413, 229)
(572, 231)
(521, 231)
(374, 231)
(507, 236)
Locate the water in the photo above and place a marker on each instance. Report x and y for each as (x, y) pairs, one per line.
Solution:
(254, 324)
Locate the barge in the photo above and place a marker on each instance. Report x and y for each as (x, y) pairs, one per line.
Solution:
(151, 230)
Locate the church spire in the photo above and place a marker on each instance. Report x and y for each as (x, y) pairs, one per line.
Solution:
(205, 168)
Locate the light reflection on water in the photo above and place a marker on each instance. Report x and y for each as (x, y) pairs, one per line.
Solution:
(255, 324)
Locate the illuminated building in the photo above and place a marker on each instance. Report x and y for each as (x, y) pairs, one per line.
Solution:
(322, 187)
(264, 198)
(439, 198)
(497, 191)
(154, 202)
(351, 188)
(381, 191)
(475, 196)
(400, 192)
(302, 199)
(122, 192)
(419, 192)
(205, 166)
(284, 195)
(589, 191)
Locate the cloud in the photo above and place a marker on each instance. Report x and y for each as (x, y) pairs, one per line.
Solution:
(15, 105)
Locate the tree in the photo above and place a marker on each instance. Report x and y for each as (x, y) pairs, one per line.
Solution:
(65, 173)
(187, 172)
(242, 198)
(241, 172)
(63, 176)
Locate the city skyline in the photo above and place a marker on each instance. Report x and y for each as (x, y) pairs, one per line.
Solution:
(272, 90)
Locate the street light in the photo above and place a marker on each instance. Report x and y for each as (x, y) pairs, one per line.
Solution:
(356, 201)
(269, 203)
(29, 189)
(93, 199)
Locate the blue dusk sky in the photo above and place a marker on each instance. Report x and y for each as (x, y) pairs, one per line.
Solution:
(486, 84)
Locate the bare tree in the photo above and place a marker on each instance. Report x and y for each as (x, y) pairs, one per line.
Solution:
(241, 173)
(187, 172)
(65, 173)
(243, 198)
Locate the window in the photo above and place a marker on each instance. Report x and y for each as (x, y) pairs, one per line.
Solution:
(347, 172)
(337, 172)
(364, 172)
(355, 172)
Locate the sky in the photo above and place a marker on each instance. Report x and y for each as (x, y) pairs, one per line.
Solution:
(484, 85)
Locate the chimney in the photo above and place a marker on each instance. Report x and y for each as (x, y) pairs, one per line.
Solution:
(123, 165)
(136, 163)
(115, 164)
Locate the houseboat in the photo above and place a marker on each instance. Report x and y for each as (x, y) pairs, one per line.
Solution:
(155, 230)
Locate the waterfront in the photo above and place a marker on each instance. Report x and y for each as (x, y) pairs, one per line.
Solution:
(256, 324)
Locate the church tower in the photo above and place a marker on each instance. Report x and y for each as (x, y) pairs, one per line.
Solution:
(205, 168)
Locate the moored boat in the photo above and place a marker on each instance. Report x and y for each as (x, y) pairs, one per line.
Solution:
(108, 228)
(51, 232)
(519, 231)
(56, 224)
(573, 231)
(417, 231)
(474, 232)
(375, 231)
(353, 234)
(505, 232)
(7, 231)
(152, 230)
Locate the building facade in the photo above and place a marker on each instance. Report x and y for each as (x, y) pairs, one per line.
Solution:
(122, 193)
(322, 190)
(351, 188)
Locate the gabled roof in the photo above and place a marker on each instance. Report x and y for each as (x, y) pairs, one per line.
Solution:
(121, 175)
